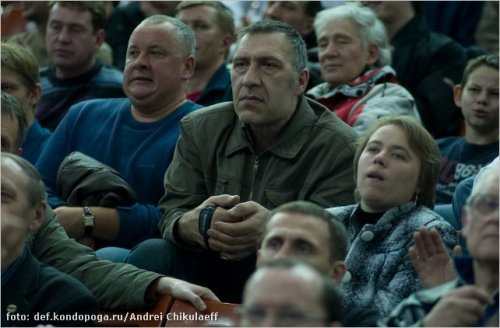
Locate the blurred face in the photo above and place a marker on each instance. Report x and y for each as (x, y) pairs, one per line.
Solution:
(211, 43)
(21, 215)
(265, 85)
(299, 236)
(342, 53)
(71, 41)
(282, 298)
(10, 128)
(479, 100)
(481, 222)
(291, 12)
(388, 170)
(13, 84)
(388, 11)
(155, 71)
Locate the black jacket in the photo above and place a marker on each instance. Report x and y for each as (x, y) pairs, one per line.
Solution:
(423, 60)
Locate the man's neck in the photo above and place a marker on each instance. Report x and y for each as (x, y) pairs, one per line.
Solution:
(486, 275)
(398, 22)
(64, 74)
(201, 76)
(150, 115)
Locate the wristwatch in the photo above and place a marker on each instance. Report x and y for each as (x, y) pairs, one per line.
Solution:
(88, 218)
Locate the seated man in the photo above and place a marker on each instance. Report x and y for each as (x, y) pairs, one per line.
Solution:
(305, 231)
(14, 124)
(213, 25)
(30, 288)
(269, 146)
(75, 31)
(472, 298)
(20, 78)
(136, 135)
(284, 293)
(116, 286)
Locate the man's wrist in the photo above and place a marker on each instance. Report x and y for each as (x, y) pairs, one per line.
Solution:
(88, 221)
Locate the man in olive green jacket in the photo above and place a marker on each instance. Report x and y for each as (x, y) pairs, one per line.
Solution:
(271, 145)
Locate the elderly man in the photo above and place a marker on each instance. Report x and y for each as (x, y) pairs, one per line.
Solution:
(306, 232)
(136, 135)
(472, 298)
(114, 285)
(269, 146)
(213, 25)
(288, 294)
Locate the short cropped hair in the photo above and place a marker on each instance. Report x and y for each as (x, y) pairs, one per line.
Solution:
(297, 44)
(372, 29)
(183, 34)
(337, 232)
(475, 63)
(12, 108)
(36, 187)
(21, 61)
(96, 9)
(421, 143)
(330, 298)
(224, 15)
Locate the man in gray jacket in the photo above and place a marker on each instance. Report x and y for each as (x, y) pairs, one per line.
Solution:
(237, 160)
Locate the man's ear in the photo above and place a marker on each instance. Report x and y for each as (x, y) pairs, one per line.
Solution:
(373, 54)
(189, 65)
(39, 219)
(303, 80)
(100, 38)
(36, 94)
(337, 271)
(465, 220)
(457, 95)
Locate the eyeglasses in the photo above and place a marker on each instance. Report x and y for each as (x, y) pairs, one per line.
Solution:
(282, 318)
(483, 205)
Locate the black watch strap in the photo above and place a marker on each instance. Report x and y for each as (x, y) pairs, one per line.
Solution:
(205, 222)
(88, 218)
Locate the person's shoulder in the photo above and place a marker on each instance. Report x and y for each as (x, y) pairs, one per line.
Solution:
(211, 114)
(109, 75)
(331, 123)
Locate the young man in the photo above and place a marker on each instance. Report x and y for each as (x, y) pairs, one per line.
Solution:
(213, 25)
(75, 32)
(20, 78)
(269, 146)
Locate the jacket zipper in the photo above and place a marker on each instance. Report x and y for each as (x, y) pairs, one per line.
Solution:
(254, 174)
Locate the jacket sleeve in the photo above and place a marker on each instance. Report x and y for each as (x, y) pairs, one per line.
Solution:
(184, 183)
(386, 99)
(115, 285)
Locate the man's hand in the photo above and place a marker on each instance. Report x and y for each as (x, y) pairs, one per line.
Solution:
(239, 235)
(71, 219)
(185, 291)
(430, 258)
(188, 224)
(461, 307)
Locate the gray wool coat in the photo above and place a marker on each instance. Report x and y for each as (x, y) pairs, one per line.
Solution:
(381, 274)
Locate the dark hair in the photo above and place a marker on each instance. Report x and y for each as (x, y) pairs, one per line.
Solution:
(224, 15)
(36, 187)
(337, 233)
(330, 298)
(13, 109)
(421, 143)
(96, 9)
(297, 44)
(311, 8)
(183, 34)
(21, 61)
(475, 63)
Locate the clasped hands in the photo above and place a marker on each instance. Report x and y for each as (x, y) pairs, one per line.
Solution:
(236, 227)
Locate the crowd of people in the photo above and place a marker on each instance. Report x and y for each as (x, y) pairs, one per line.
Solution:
(330, 163)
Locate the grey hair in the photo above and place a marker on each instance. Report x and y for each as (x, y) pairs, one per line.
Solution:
(183, 34)
(372, 29)
(297, 44)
